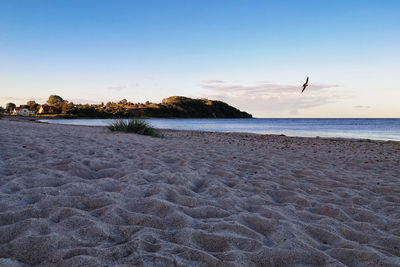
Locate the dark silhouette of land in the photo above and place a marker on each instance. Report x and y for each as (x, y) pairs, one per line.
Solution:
(171, 107)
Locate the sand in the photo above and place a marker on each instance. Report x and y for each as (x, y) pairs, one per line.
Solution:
(82, 196)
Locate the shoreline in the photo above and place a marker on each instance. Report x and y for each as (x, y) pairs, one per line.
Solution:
(37, 119)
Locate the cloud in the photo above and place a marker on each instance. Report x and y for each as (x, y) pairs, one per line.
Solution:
(212, 81)
(272, 99)
(82, 101)
(263, 89)
(359, 106)
(16, 98)
(117, 88)
(21, 100)
(42, 100)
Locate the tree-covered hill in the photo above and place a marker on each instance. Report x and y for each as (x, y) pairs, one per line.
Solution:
(183, 107)
(172, 107)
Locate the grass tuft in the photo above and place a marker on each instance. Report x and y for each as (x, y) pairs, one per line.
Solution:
(134, 126)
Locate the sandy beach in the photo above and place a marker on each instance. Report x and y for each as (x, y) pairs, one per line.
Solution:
(83, 196)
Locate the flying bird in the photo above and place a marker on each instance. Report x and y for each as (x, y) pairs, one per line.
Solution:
(305, 85)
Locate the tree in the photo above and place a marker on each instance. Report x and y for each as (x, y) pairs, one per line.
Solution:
(55, 100)
(71, 106)
(10, 106)
(64, 107)
(32, 105)
(123, 101)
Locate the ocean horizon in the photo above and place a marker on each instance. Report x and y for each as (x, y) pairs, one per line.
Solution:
(355, 128)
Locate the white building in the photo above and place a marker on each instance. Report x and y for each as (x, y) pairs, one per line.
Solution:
(22, 111)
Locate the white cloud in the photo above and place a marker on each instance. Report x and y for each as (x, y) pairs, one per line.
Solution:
(271, 99)
(264, 88)
(82, 101)
(117, 87)
(212, 81)
(21, 100)
(360, 106)
(42, 100)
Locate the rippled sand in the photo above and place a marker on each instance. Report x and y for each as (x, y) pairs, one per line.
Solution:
(74, 195)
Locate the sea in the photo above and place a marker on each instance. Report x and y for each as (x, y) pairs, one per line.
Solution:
(376, 129)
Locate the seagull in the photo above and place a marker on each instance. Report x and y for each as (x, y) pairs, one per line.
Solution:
(305, 85)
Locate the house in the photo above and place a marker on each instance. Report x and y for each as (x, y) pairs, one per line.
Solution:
(22, 111)
(46, 109)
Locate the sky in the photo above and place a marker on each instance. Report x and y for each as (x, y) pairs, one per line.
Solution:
(254, 55)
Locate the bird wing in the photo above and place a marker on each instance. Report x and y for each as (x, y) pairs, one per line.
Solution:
(305, 85)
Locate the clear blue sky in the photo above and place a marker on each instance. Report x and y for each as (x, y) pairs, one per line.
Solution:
(252, 54)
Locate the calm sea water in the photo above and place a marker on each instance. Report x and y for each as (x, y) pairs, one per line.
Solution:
(379, 129)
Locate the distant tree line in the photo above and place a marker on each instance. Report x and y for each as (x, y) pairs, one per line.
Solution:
(172, 107)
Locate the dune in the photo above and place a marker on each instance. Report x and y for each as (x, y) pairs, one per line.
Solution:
(83, 196)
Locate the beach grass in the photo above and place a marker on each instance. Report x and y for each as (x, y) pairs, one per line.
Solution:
(137, 126)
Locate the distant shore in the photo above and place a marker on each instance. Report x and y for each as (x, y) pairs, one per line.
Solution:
(350, 138)
(76, 195)
(171, 107)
